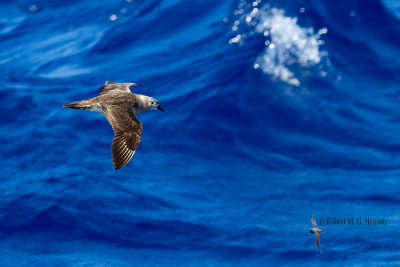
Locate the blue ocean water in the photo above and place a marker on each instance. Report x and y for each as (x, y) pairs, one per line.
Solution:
(275, 111)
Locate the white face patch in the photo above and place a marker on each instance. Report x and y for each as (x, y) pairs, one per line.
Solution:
(146, 104)
(142, 98)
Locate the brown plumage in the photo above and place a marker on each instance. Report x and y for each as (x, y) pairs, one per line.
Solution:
(119, 106)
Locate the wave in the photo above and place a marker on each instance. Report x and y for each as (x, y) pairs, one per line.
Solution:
(287, 45)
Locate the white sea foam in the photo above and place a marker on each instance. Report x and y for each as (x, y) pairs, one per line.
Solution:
(287, 44)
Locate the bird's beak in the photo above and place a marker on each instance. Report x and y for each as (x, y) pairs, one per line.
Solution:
(160, 108)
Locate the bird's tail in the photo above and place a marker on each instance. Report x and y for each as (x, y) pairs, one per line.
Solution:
(84, 104)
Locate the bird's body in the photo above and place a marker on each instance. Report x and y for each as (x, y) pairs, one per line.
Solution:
(120, 105)
(111, 98)
(316, 232)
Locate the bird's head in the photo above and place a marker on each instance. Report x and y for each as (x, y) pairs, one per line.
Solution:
(150, 103)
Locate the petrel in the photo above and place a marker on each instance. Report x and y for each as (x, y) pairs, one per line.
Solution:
(316, 232)
(120, 105)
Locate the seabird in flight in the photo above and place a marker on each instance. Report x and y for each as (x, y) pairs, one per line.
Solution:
(120, 105)
(316, 232)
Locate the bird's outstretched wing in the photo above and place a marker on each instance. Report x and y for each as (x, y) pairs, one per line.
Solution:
(313, 222)
(112, 86)
(127, 131)
(317, 241)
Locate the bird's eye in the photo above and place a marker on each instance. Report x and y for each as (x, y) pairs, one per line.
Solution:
(152, 103)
